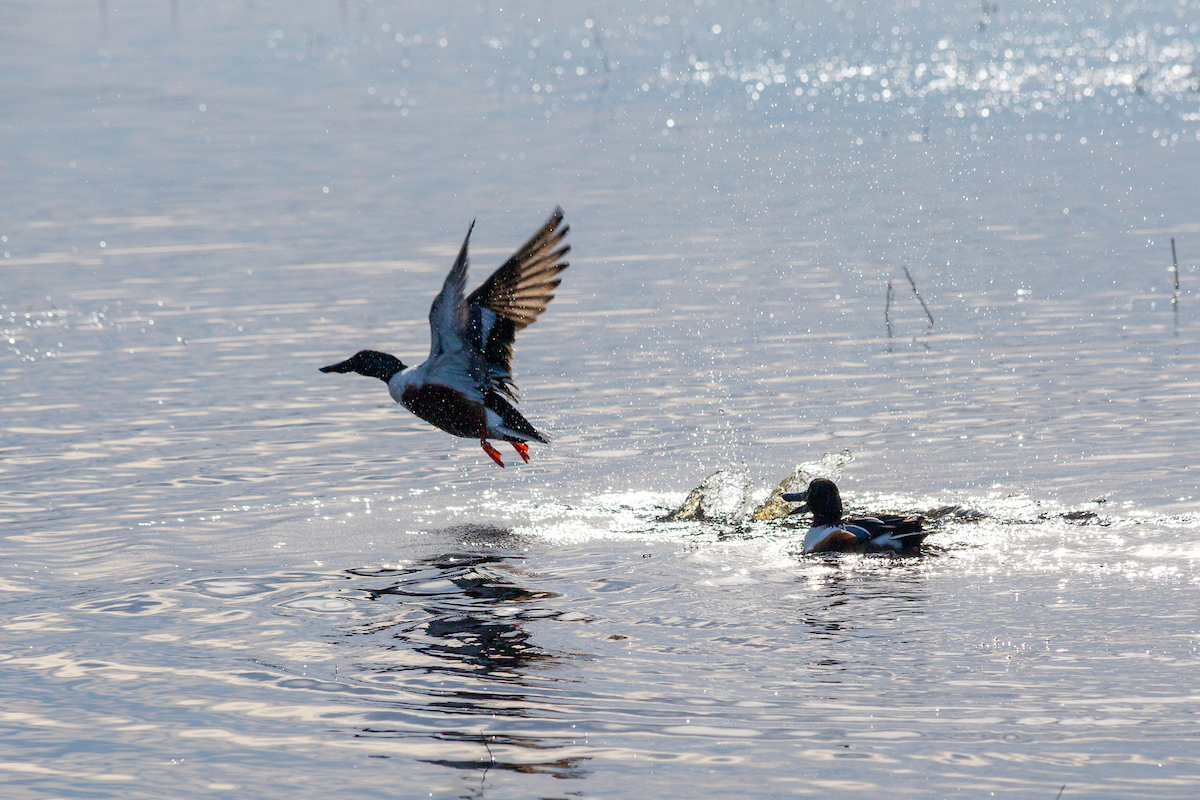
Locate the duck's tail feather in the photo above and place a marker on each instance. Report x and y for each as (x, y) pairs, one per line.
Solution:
(512, 418)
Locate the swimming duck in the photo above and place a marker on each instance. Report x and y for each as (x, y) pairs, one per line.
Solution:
(830, 533)
(466, 385)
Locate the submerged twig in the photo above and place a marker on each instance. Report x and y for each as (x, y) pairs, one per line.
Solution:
(602, 53)
(887, 309)
(913, 284)
(1175, 261)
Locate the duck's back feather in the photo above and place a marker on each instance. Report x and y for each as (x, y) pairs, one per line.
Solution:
(892, 532)
(868, 535)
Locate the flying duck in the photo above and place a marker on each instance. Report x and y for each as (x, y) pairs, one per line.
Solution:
(466, 387)
(831, 533)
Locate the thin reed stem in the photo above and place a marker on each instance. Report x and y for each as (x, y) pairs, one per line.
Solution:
(913, 284)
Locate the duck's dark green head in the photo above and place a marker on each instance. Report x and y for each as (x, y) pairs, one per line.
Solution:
(371, 363)
(825, 501)
(822, 498)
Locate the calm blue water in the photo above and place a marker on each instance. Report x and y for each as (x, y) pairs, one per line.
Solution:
(227, 574)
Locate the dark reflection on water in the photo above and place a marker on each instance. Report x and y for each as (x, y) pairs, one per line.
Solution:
(565, 768)
(474, 627)
(843, 596)
(474, 614)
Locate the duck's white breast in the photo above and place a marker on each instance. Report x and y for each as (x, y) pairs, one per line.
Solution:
(405, 379)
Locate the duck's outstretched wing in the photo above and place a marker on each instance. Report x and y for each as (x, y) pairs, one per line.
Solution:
(521, 288)
(513, 297)
(448, 314)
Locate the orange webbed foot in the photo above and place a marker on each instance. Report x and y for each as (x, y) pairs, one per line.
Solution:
(522, 450)
(492, 452)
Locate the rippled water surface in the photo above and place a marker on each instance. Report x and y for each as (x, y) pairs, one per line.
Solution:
(227, 574)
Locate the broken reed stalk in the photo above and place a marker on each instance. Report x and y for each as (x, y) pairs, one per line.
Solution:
(887, 309)
(483, 738)
(1060, 791)
(491, 758)
(1175, 261)
(913, 284)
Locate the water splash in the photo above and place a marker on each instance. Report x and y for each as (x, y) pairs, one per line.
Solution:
(723, 496)
(829, 465)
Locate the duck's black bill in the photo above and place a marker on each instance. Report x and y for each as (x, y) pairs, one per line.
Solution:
(791, 497)
(342, 367)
